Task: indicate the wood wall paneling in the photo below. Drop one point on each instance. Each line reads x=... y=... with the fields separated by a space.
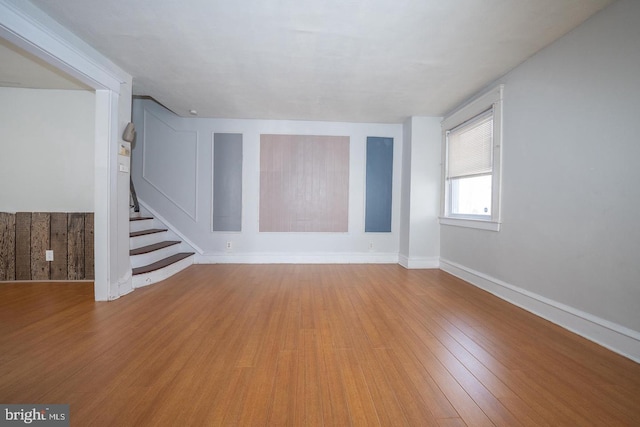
x=7 y=246
x=304 y=183
x=23 y=246
x=89 y=258
x=40 y=238
x=26 y=236
x=75 y=246
x=59 y=246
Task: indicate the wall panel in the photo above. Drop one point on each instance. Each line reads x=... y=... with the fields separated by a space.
x=26 y=236
x=304 y=183
x=89 y=258
x=59 y=246
x=75 y=246
x=170 y=162
x=23 y=246
x=7 y=246
x=252 y=244
x=40 y=233
x=227 y=182
x=379 y=184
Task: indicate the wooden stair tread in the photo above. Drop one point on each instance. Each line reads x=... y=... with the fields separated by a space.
x=154 y=247
x=139 y=218
x=145 y=232
x=162 y=263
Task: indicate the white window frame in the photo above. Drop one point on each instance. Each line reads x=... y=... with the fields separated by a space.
x=491 y=99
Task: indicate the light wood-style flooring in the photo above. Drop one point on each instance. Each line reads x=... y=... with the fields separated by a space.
x=304 y=345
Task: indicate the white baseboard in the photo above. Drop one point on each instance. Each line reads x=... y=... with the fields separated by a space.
x=617 y=338
x=297 y=258
x=418 y=262
x=124 y=285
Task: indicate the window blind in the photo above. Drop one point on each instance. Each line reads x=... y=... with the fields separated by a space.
x=470 y=147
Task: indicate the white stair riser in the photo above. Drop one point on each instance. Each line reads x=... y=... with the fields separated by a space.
x=146 y=279
x=147 y=239
x=151 y=257
x=143 y=224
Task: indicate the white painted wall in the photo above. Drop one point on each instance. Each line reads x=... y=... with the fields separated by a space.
x=28 y=27
x=47 y=141
x=405 y=193
x=420 y=232
x=191 y=213
x=569 y=246
x=122 y=199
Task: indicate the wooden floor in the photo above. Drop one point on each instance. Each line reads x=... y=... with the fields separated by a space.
x=314 y=345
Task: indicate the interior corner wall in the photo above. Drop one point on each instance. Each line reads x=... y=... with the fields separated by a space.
x=569 y=241
x=123 y=178
x=405 y=195
x=185 y=203
x=47 y=139
x=420 y=231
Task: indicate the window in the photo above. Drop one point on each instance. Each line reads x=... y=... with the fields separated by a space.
x=472 y=140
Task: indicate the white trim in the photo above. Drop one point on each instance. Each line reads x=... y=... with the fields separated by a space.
x=105 y=198
x=473 y=108
x=471 y=223
x=160 y=218
x=296 y=258
x=613 y=336
x=490 y=99
x=125 y=285
x=28 y=27
x=418 y=262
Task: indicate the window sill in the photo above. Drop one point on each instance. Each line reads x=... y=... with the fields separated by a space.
x=471 y=223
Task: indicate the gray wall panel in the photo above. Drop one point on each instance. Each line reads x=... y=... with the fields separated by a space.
x=227 y=182
x=379 y=184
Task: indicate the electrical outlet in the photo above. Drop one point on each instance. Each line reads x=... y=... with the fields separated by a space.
x=48 y=255
x=370 y=246
x=228 y=246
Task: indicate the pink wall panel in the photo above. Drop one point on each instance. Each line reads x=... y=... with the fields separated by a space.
x=304 y=183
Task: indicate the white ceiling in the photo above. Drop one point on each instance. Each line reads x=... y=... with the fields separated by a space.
x=336 y=60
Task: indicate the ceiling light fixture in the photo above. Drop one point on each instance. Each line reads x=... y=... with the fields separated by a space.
x=193 y=112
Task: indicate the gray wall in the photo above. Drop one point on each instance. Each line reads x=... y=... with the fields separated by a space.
x=571 y=175
x=419 y=228
x=173 y=172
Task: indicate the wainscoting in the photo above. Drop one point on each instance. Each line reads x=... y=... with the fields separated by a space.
x=26 y=236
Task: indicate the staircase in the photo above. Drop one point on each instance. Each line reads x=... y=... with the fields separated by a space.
x=155 y=253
